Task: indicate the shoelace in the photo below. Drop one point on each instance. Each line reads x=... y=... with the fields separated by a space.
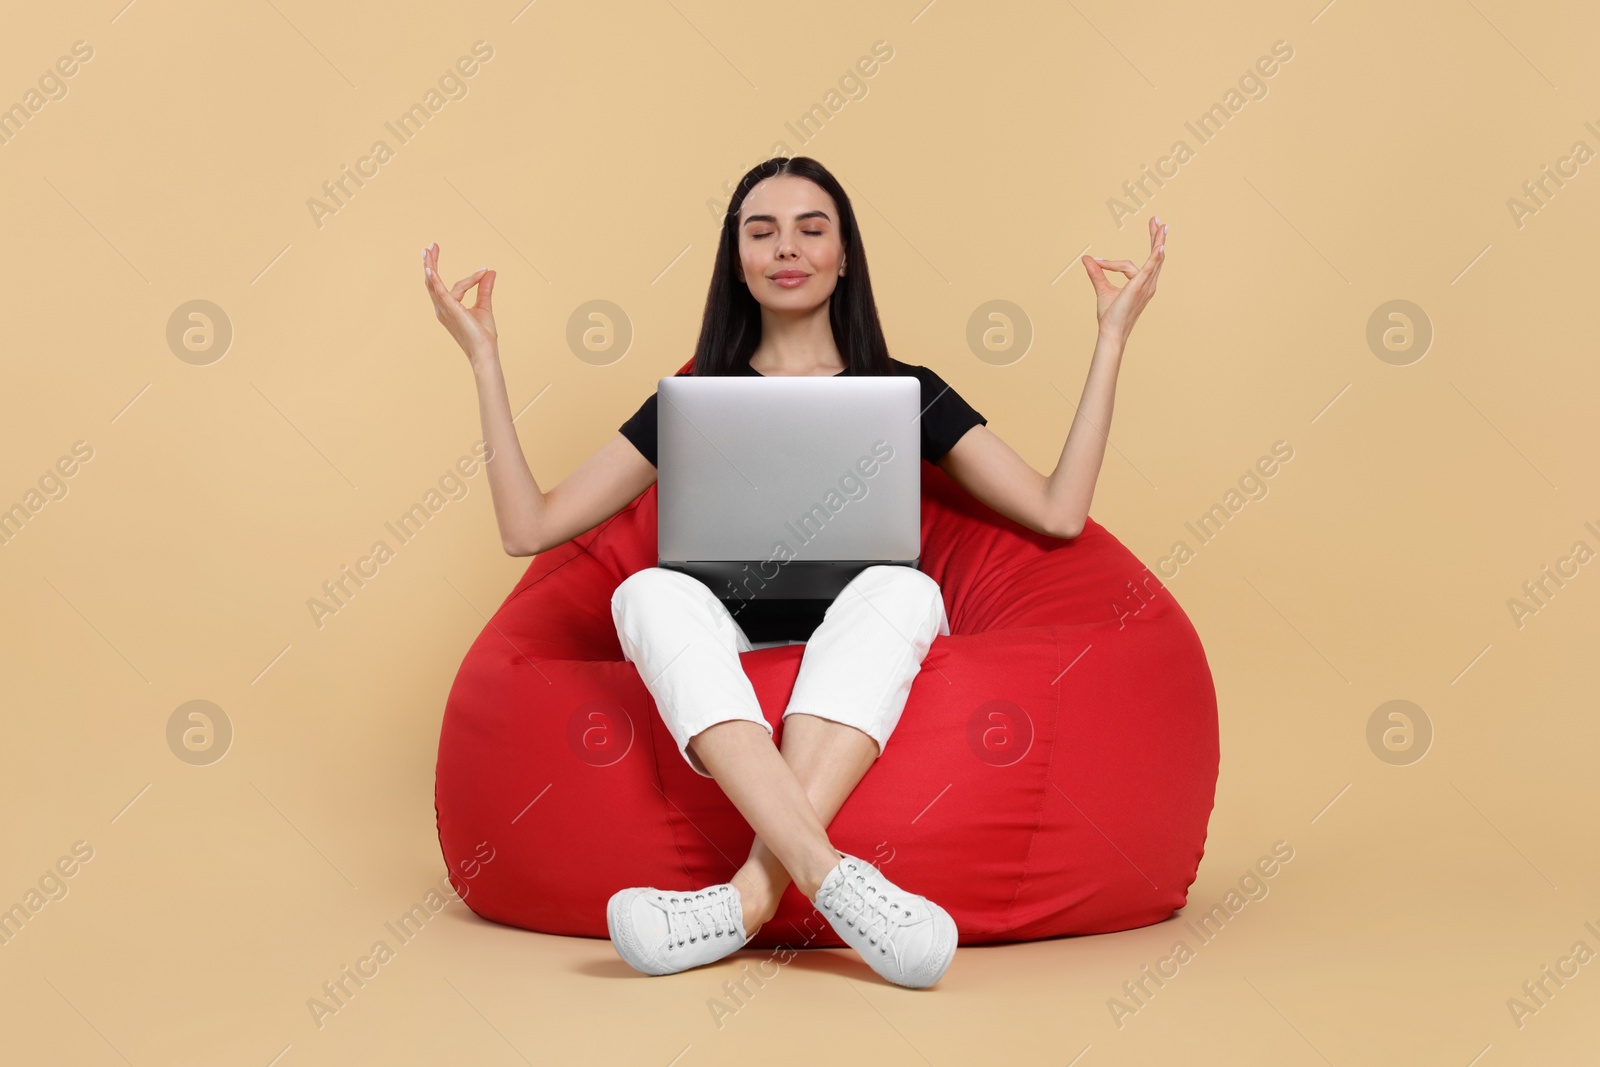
x=693 y=918
x=863 y=901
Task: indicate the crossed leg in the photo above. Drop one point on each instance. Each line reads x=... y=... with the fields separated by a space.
x=860 y=662
x=788 y=796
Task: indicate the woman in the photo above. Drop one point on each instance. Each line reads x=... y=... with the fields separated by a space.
x=790 y=295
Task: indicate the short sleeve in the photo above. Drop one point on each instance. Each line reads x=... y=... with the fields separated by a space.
x=946 y=417
x=640 y=429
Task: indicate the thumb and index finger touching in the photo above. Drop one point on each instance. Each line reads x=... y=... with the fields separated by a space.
x=483 y=278
x=1097 y=267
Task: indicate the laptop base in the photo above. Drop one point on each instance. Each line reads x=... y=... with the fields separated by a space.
x=777 y=620
x=777 y=601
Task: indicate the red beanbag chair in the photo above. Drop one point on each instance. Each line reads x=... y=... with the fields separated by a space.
x=1053 y=772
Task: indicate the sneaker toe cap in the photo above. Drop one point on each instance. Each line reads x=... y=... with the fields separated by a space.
x=638 y=929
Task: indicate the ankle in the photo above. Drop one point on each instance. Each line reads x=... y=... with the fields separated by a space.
x=810 y=881
x=758 y=899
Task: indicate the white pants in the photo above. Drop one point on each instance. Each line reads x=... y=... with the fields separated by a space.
x=857 y=667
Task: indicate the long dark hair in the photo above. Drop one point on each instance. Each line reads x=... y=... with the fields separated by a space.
x=730 y=330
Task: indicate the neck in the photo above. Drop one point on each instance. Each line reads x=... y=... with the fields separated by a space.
x=798 y=345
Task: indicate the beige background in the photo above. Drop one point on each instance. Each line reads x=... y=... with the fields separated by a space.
x=1377 y=166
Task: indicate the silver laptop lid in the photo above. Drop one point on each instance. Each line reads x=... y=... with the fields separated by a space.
x=814 y=468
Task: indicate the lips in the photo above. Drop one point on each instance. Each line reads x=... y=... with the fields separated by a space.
x=784 y=275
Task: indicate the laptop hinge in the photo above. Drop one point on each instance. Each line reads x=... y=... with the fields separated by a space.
x=737 y=581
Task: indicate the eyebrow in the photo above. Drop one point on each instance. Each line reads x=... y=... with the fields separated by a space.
x=803 y=215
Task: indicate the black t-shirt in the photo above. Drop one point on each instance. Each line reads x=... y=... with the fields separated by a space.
x=945 y=415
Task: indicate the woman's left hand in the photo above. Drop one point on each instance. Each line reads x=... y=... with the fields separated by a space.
x=1118 y=309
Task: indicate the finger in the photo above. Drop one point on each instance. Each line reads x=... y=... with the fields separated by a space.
x=1157 y=255
x=459 y=289
x=485 y=292
x=1152 y=269
x=430 y=265
x=1123 y=266
x=1097 y=277
x=443 y=303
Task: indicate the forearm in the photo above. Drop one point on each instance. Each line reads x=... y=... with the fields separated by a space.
x=518 y=500
x=1071 y=485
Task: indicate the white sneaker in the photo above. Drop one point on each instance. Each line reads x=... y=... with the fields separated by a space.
x=664 y=932
x=906 y=938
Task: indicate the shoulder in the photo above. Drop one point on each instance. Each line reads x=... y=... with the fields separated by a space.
x=651 y=399
x=926 y=374
x=933 y=385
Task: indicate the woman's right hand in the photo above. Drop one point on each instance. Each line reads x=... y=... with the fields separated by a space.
x=472 y=327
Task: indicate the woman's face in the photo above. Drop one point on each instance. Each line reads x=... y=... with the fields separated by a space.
x=791 y=252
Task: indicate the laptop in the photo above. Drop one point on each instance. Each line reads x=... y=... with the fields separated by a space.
x=776 y=491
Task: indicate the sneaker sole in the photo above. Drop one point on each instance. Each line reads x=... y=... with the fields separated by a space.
x=616 y=908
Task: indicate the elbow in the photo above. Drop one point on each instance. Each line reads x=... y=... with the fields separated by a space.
x=520 y=535
x=1060 y=519
x=515 y=546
